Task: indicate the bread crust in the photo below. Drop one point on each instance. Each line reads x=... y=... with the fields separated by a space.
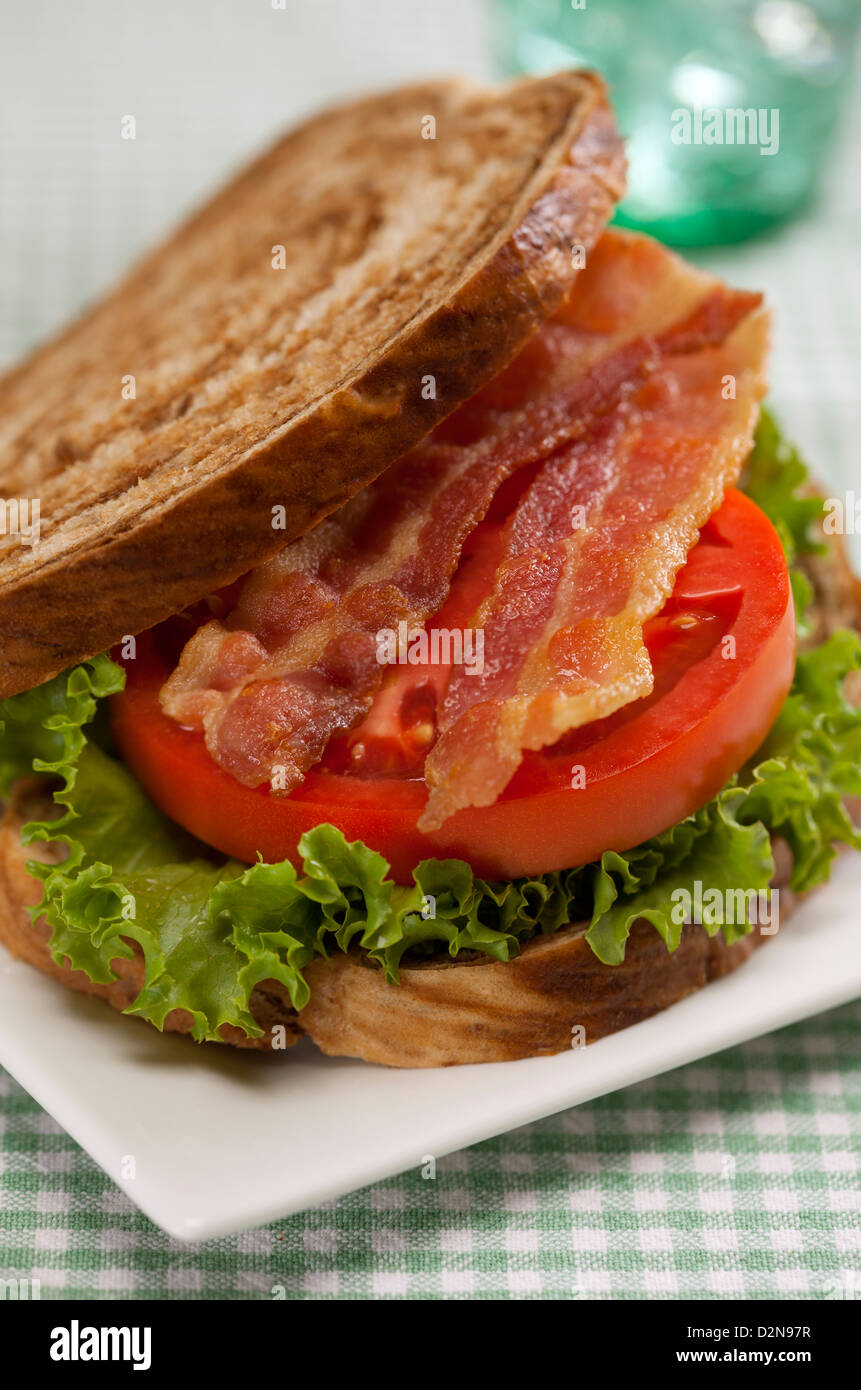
x=259 y=388
x=555 y=995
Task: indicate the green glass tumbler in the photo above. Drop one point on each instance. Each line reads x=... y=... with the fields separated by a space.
x=729 y=106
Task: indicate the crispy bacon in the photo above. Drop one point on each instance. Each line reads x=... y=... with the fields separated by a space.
x=296 y=661
x=589 y=405
x=563 y=628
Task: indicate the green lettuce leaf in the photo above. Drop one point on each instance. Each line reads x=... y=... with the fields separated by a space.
x=723 y=854
x=778 y=481
x=211 y=929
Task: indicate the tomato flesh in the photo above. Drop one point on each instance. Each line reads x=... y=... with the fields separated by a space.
x=723 y=654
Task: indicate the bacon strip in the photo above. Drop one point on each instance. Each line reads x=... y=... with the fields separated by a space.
x=296 y=661
x=563 y=628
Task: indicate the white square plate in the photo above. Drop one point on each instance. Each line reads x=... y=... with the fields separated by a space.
x=222 y=1141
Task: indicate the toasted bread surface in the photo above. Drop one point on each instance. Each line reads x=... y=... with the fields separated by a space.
x=320 y=315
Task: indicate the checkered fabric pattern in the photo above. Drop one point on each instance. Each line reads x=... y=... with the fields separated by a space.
x=736 y=1176
x=732 y=1177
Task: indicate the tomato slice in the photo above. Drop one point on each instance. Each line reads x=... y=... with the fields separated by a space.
x=723 y=653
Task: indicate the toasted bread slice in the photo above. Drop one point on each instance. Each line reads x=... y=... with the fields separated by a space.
x=424 y=235
x=447 y=1013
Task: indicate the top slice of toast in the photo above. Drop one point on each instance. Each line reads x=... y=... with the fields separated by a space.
x=303 y=330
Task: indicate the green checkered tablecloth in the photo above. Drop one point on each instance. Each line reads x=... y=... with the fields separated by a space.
x=732 y=1177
